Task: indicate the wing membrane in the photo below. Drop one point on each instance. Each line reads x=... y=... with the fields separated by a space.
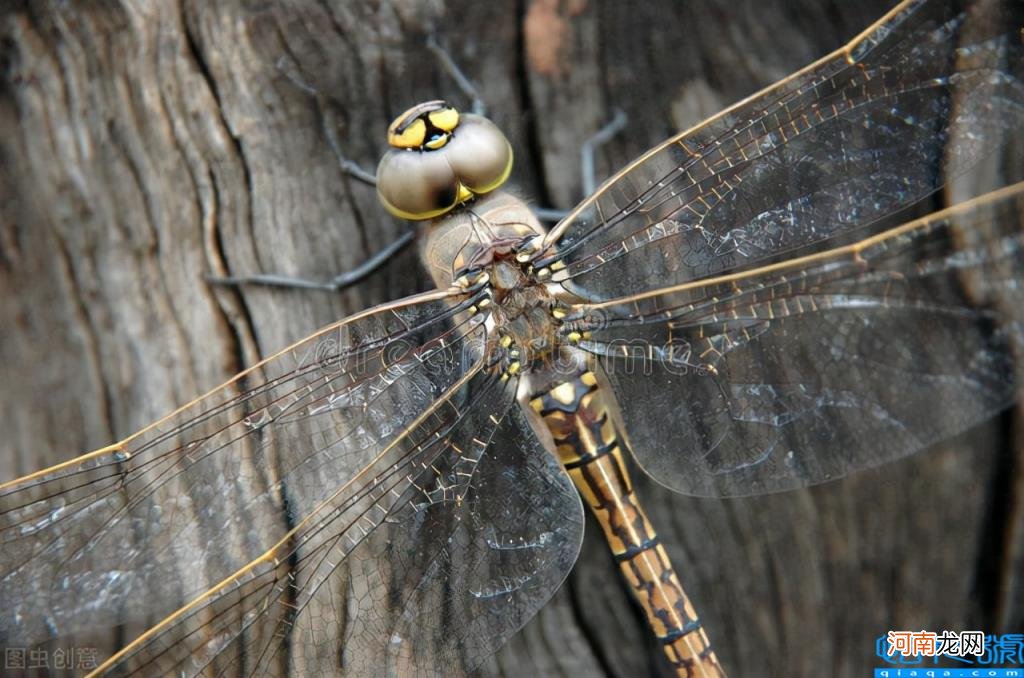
x=491 y=562
x=920 y=98
x=130 y=533
x=804 y=371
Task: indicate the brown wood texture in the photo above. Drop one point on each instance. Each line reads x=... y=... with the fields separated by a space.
x=146 y=144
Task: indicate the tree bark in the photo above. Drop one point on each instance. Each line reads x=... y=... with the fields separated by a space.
x=148 y=144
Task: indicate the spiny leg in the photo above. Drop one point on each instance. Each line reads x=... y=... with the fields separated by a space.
x=354 y=170
x=587 y=172
x=587 y=151
x=590 y=146
x=456 y=74
x=350 y=168
x=338 y=282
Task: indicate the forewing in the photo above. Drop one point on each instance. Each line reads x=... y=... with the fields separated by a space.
x=125 y=536
x=919 y=98
x=802 y=372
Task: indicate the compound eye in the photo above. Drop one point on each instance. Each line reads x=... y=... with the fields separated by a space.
x=480 y=154
x=417 y=186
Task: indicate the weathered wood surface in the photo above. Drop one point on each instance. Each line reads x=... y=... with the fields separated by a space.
x=147 y=144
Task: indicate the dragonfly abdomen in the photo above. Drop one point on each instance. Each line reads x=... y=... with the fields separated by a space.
x=588 y=445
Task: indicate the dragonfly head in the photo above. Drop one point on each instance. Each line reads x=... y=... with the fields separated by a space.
x=440 y=158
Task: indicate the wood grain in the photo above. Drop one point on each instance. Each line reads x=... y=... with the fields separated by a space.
x=146 y=145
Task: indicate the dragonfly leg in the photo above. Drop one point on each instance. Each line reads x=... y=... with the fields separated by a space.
x=587 y=171
x=350 y=167
x=588 y=445
x=336 y=283
x=590 y=146
x=456 y=74
x=549 y=214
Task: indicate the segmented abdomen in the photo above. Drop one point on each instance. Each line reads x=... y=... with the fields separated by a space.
x=577 y=415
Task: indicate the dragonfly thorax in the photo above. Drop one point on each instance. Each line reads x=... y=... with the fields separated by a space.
x=524 y=313
x=486 y=238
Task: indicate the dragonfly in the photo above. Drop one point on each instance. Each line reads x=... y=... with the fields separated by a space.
x=732 y=308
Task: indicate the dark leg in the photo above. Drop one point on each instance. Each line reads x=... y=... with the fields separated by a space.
x=587 y=173
x=456 y=74
x=353 y=170
x=590 y=146
x=334 y=284
x=548 y=214
x=327 y=122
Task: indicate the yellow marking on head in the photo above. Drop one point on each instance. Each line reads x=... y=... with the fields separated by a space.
x=574 y=337
x=409 y=130
x=436 y=142
x=589 y=378
x=445 y=119
x=480 y=160
x=412 y=136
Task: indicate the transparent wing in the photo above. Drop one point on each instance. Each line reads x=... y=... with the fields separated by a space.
x=808 y=370
x=423 y=565
x=919 y=98
x=125 y=536
x=493 y=560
